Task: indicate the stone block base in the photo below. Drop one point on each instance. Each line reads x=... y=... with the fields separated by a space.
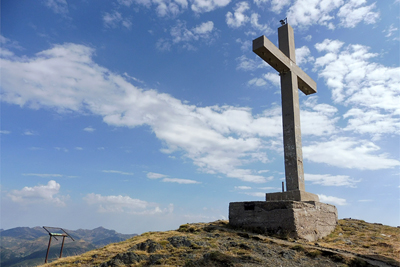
x=295 y=219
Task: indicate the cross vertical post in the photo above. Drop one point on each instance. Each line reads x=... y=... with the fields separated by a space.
x=291 y=115
x=283 y=59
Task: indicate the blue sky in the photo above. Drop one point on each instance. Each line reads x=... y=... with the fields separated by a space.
x=141 y=115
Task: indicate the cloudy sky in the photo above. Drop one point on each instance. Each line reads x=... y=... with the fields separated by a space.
x=141 y=115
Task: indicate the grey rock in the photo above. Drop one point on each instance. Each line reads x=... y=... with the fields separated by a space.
x=348 y=242
x=179 y=241
x=149 y=245
x=122 y=259
x=289 y=255
x=155 y=258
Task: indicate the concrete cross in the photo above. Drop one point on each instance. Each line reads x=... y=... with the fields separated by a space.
x=292 y=79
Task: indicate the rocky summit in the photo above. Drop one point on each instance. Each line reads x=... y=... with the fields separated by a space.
x=353 y=243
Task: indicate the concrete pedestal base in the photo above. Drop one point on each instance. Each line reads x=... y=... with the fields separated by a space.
x=307 y=220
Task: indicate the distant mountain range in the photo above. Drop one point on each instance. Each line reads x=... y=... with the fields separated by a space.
x=24 y=246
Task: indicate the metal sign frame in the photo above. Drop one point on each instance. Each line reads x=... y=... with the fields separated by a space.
x=52 y=234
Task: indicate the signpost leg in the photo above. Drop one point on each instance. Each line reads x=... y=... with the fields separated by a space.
x=48 y=249
x=62 y=245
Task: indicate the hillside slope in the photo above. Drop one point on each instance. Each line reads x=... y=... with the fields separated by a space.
x=354 y=243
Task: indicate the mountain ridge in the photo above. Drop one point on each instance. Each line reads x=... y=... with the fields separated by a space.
x=25 y=246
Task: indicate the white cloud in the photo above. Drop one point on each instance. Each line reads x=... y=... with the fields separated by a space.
x=329 y=46
x=163 y=44
x=255 y=194
x=248 y=64
x=204 y=28
x=117 y=172
x=5 y=132
x=332 y=200
x=27 y=132
x=323 y=12
x=61 y=149
x=303 y=55
x=278 y=5
x=371 y=122
x=389 y=32
x=8 y=44
x=308 y=12
x=345 y=152
x=370 y=88
x=308 y=37
x=228 y=119
x=78 y=148
x=179 y=181
x=181 y=34
x=170 y=8
x=264 y=29
x=40 y=193
x=257 y=82
x=153 y=175
x=124 y=204
x=243 y=187
x=238 y=18
x=273 y=78
x=245 y=45
x=89 y=129
x=127 y=3
x=218 y=139
x=318 y=119
x=331 y=180
x=58 y=6
x=163 y=7
x=201 y=6
x=354 y=11
x=3 y=39
x=112 y=20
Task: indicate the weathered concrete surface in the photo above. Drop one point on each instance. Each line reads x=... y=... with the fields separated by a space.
x=296 y=195
x=292 y=78
x=296 y=219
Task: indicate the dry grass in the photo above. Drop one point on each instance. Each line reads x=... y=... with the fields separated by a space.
x=357 y=236
x=373 y=240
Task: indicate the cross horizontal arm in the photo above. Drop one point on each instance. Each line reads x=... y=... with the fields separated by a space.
x=280 y=62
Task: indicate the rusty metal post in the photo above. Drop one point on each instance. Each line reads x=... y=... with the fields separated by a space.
x=64 y=235
x=62 y=246
x=48 y=249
